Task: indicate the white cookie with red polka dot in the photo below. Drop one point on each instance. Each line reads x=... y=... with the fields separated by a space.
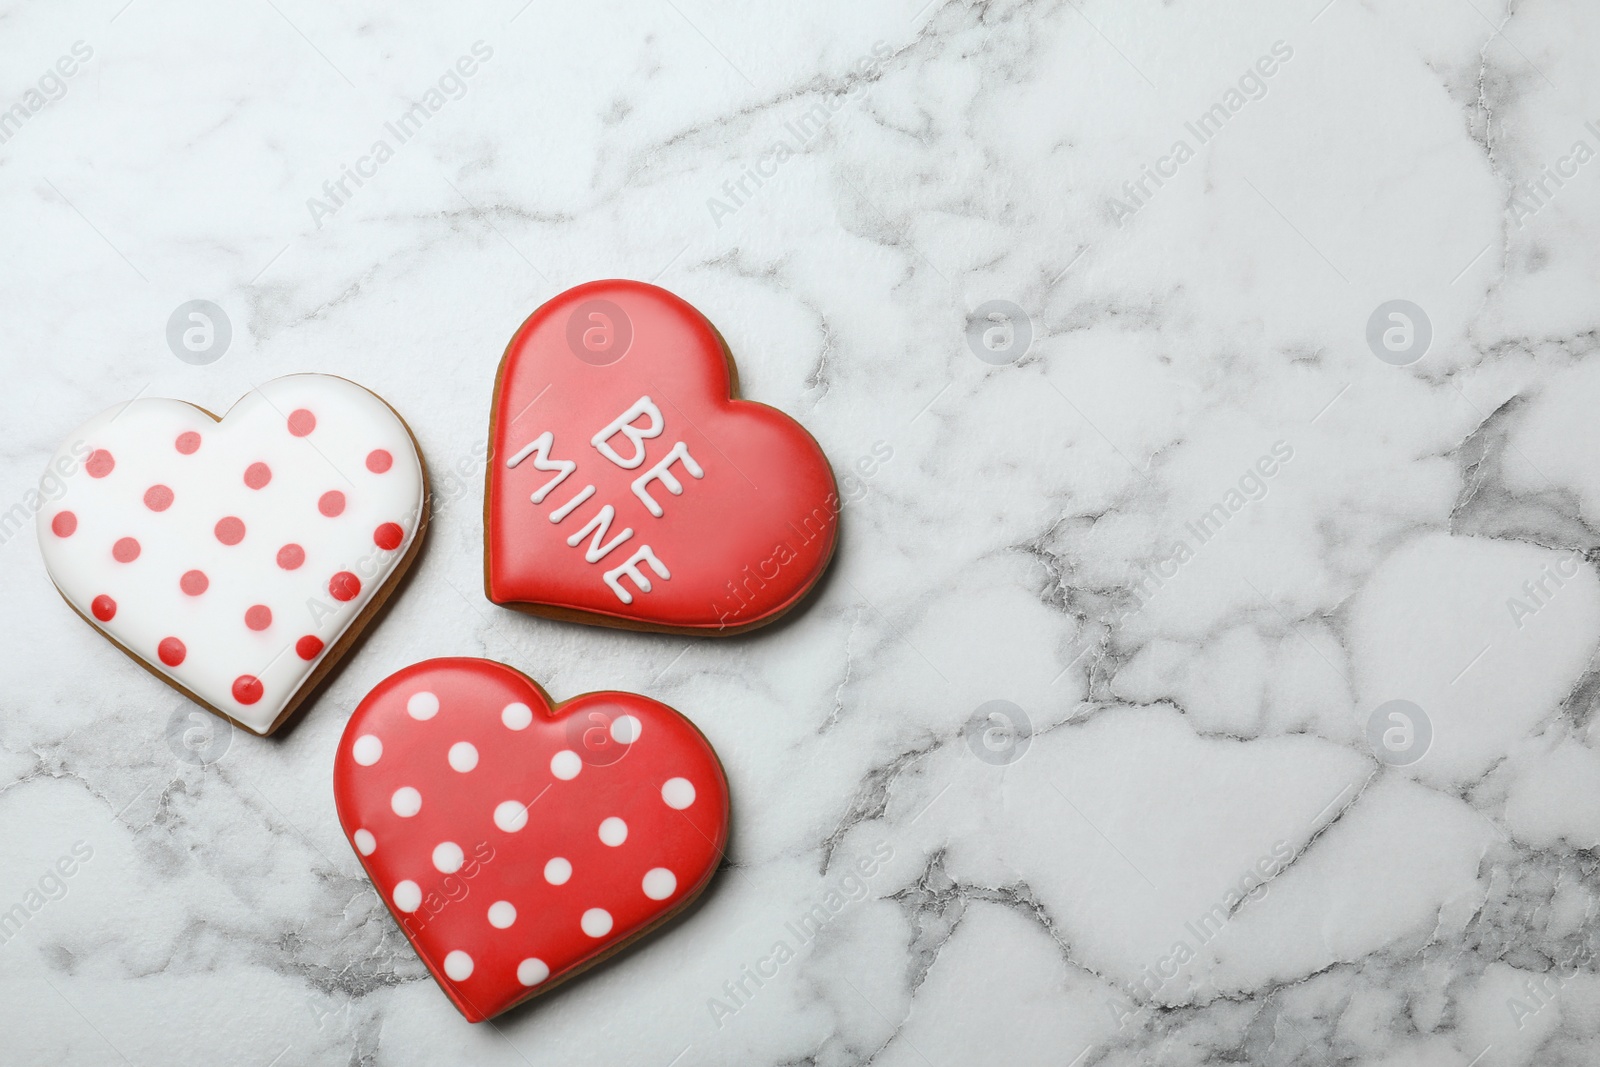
x=232 y=556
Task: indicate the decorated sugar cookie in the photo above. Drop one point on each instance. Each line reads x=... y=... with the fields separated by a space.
x=628 y=486
x=236 y=558
x=517 y=842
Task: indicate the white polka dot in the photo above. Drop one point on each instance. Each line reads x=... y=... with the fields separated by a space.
x=678 y=793
x=367 y=750
x=458 y=966
x=613 y=832
x=557 y=871
x=423 y=706
x=502 y=914
x=596 y=922
x=406 y=802
x=517 y=716
x=660 y=883
x=463 y=756
x=408 y=895
x=365 y=842
x=448 y=857
x=510 y=815
x=625 y=730
x=532 y=971
x=565 y=765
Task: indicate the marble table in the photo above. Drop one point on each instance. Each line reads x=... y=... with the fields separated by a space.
x=1206 y=674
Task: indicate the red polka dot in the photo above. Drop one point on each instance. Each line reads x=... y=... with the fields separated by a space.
x=258 y=617
x=291 y=556
x=99 y=463
x=344 y=586
x=64 y=524
x=103 y=608
x=247 y=689
x=230 y=531
x=194 y=582
x=331 y=503
x=126 y=550
x=388 y=536
x=308 y=647
x=171 y=651
x=257 y=475
x=158 y=498
x=188 y=442
x=301 y=422
x=379 y=460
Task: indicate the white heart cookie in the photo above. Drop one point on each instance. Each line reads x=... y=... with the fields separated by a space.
x=231 y=556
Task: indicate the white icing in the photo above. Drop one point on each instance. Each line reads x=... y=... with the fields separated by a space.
x=659 y=883
x=511 y=815
x=598 y=528
x=677 y=793
x=600 y=525
x=570 y=506
x=631 y=568
x=448 y=857
x=566 y=764
x=517 y=716
x=623 y=424
x=208 y=485
x=539 y=449
x=660 y=473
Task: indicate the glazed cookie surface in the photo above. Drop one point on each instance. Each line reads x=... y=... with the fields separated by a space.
x=628 y=486
x=517 y=842
x=235 y=558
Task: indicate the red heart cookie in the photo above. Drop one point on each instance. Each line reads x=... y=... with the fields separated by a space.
x=628 y=487
x=516 y=842
x=236 y=558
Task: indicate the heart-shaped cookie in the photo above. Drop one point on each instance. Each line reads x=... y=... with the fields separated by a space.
x=517 y=842
x=628 y=487
x=236 y=558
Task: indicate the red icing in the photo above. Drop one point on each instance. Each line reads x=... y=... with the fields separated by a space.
x=301 y=422
x=99 y=463
x=331 y=503
x=379 y=460
x=194 y=582
x=308 y=647
x=126 y=550
x=64 y=524
x=188 y=442
x=103 y=608
x=230 y=531
x=388 y=536
x=257 y=475
x=742 y=544
x=291 y=556
x=258 y=616
x=247 y=689
x=171 y=651
x=158 y=498
x=344 y=586
x=560 y=817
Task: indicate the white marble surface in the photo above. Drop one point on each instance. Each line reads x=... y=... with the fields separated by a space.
x=1197 y=716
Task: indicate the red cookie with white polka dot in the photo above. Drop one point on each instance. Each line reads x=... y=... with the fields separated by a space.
x=237 y=558
x=517 y=841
